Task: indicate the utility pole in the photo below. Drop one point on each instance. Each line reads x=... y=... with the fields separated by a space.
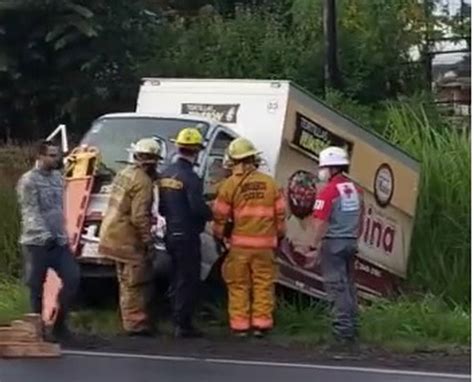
x=331 y=69
x=427 y=48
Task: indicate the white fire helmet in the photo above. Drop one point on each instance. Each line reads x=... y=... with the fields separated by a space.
x=333 y=156
x=147 y=146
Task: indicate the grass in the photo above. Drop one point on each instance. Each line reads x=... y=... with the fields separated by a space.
x=14 y=160
x=10 y=263
x=13 y=300
x=423 y=323
x=406 y=325
x=440 y=259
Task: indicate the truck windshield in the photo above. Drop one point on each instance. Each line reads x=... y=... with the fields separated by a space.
x=113 y=136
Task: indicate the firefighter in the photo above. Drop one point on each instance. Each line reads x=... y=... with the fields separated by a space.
x=125 y=236
x=338 y=224
x=183 y=206
x=43 y=235
x=256 y=207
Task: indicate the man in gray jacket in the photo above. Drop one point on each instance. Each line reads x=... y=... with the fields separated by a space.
x=43 y=235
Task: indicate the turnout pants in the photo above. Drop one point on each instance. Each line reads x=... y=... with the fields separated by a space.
x=135 y=287
x=185 y=252
x=337 y=261
x=37 y=261
x=250 y=276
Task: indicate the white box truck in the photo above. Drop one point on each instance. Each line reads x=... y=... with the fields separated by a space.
x=290 y=127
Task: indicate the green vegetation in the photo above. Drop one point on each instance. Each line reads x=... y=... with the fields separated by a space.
x=406 y=325
x=72 y=60
x=440 y=257
x=10 y=227
x=14 y=160
x=13 y=300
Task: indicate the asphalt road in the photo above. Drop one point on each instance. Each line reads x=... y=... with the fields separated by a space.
x=104 y=367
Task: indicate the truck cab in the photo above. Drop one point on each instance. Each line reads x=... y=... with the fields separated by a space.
x=113 y=135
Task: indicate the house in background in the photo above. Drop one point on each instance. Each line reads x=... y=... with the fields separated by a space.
x=452 y=87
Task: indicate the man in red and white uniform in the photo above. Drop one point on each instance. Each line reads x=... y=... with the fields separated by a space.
x=338 y=222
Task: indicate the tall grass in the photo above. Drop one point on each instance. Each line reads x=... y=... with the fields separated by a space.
x=441 y=244
x=14 y=160
x=407 y=324
x=9 y=233
x=13 y=300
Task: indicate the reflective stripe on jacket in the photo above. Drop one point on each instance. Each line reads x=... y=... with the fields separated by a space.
x=257 y=209
x=126 y=227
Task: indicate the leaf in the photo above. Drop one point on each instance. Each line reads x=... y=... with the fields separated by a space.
x=85 y=27
x=67 y=39
x=83 y=11
x=56 y=32
x=4 y=62
x=8 y=5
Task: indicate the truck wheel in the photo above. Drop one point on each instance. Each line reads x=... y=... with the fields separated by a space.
x=98 y=292
x=214 y=288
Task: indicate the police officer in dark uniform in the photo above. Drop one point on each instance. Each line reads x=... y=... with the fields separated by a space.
x=186 y=212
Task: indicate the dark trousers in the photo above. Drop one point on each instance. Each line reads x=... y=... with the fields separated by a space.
x=37 y=261
x=185 y=255
x=337 y=259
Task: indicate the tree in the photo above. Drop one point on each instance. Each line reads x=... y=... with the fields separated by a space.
x=62 y=60
x=42 y=43
x=376 y=38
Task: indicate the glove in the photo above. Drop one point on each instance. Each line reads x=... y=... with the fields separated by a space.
x=50 y=243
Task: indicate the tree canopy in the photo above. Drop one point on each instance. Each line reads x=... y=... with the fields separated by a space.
x=68 y=61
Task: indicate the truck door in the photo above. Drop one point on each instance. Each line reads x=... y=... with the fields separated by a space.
x=213 y=174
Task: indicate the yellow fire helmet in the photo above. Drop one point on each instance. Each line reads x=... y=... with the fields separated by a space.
x=189 y=138
x=241 y=148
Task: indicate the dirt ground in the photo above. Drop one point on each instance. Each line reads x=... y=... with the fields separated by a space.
x=268 y=349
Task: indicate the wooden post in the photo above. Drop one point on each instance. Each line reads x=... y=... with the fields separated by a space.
x=24 y=338
x=428 y=45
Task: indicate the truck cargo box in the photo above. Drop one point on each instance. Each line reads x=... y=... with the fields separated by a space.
x=291 y=127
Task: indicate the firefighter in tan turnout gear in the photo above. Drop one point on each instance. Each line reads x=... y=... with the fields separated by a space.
x=126 y=235
x=253 y=203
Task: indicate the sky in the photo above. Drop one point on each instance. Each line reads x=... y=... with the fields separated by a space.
x=453 y=6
